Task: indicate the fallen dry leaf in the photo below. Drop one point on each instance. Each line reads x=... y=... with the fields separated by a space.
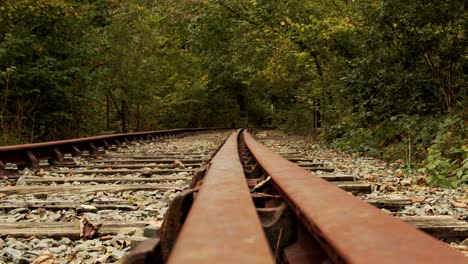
x=387 y=187
x=369 y=177
x=267 y=195
x=178 y=164
x=260 y=184
x=40 y=172
x=45 y=258
x=140 y=204
x=399 y=162
x=399 y=173
x=417 y=199
x=422 y=180
x=460 y=204
x=406 y=182
x=418 y=188
x=87 y=228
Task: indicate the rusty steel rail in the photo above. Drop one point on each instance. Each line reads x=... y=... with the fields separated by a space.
x=222 y=225
x=30 y=154
x=347 y=229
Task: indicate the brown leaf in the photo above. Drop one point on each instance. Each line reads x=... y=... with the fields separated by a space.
x=422 y=180
x=460 y=204
x=267 y=195
x=45 y=258
x=399 y=173
x=418 y=188
x=260 y=184
x=417 y=199
x=406 y=182
x=178 y=164
x=369 y=177
x=40 y=172
x=87 y=228
x=140 y=204
x=387 y=187
x=399 y=162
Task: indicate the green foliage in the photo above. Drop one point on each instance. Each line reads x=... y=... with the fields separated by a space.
x=41 y=63
x=402 y=90
x=447 y=159
x=386 y=78
x=440 y=171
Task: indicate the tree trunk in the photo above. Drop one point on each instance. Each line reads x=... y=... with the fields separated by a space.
x=107 y=113
x=124 y=116
x=138 y=125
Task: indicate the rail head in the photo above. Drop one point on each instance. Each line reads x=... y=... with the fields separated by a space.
x=348 y=229
x=222 y=226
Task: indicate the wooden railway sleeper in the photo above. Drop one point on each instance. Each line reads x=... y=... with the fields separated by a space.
x=28 y=155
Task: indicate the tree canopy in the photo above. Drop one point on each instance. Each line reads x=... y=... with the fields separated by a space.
x=382 y=77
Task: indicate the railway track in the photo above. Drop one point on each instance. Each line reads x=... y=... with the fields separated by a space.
x=254 y=206
x=92 y=200
x=247 y=205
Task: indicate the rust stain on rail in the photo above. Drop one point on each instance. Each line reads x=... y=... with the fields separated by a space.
x=350 y=230
x=222 y=225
